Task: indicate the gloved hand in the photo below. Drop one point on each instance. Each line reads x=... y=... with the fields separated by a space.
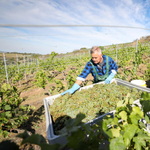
x=109 y=78
x=72 y=90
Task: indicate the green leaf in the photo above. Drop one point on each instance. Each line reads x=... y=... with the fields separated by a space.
x=135 y=118
x=43 y=140
x=15 y=89
x=115 y=132
x=104 y=125
x=145 y=96
x=142 y=125
x=33 y=139
x=2 y=114
x=145 y=105
x=23 y=135
x=75 y=138
x=129 y=133
x=121 y=104
x=76 y=121
x=7 y=107
x=138 y=111
x=140 y=140
x=117 y=144
x=146 y=118
x=127 y=98
x=8 y=114
x=5 y=133
x=123 y=115
x=114 y=121
x=49 y=147
x=87 y=128
x=72 y=125
x=131 y=101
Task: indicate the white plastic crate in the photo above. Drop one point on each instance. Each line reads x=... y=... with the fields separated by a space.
x=52 y=138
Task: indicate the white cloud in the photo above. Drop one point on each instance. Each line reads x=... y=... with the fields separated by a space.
x=67 y=39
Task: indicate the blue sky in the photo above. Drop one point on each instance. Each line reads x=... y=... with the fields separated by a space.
x=44 y=40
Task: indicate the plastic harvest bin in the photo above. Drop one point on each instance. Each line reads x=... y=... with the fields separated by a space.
x=49 y=101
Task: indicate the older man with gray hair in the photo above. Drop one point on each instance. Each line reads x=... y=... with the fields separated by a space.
x=102 y=67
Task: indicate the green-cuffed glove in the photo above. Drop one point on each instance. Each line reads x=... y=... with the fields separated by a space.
x=109 y=78
x=72 y=90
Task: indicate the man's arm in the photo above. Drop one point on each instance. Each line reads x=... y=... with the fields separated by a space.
x=79 y=82
x=74 y=88
x=113 y=69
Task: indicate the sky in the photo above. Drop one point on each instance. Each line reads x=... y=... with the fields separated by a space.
x=44 y=40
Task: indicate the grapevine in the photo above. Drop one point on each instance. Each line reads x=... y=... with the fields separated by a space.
x=12 y=114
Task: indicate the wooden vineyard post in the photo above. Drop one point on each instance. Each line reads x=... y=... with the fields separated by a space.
x=5 y=68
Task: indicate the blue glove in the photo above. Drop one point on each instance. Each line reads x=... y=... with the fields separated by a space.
x=72 y=90
x=109 y=78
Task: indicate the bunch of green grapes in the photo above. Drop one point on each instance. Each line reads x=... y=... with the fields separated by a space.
x=93 y=102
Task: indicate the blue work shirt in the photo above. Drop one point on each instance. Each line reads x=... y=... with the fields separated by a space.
x=89 y=69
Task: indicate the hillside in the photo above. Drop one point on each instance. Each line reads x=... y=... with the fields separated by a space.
x=142 y=40
x=11 y=57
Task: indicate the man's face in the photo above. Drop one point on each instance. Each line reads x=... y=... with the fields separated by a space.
x=96 y=58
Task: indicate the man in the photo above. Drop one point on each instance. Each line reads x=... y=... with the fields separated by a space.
x=102 y=67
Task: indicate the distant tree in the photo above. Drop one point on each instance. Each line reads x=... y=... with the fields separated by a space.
x=101 y=47
x=83 y=48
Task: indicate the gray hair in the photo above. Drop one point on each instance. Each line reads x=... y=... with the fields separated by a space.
x=95 y=49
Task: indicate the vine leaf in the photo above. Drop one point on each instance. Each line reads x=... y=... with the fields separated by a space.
x=121 y=104
x=7 y=107
x=115 y=132
x=145 y=96
x=129 y=133
x=123 y=115
x=140 y=140
x=34 y=139
x=117 y=144
x=138 y=111
x=75 y=138
x=72 y=125
x=135 y=118
x=145 y=102
x=146 y=118
x=23 y=135
x=49 y=147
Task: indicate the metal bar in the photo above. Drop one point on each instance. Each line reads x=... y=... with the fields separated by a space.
x=34 y=25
